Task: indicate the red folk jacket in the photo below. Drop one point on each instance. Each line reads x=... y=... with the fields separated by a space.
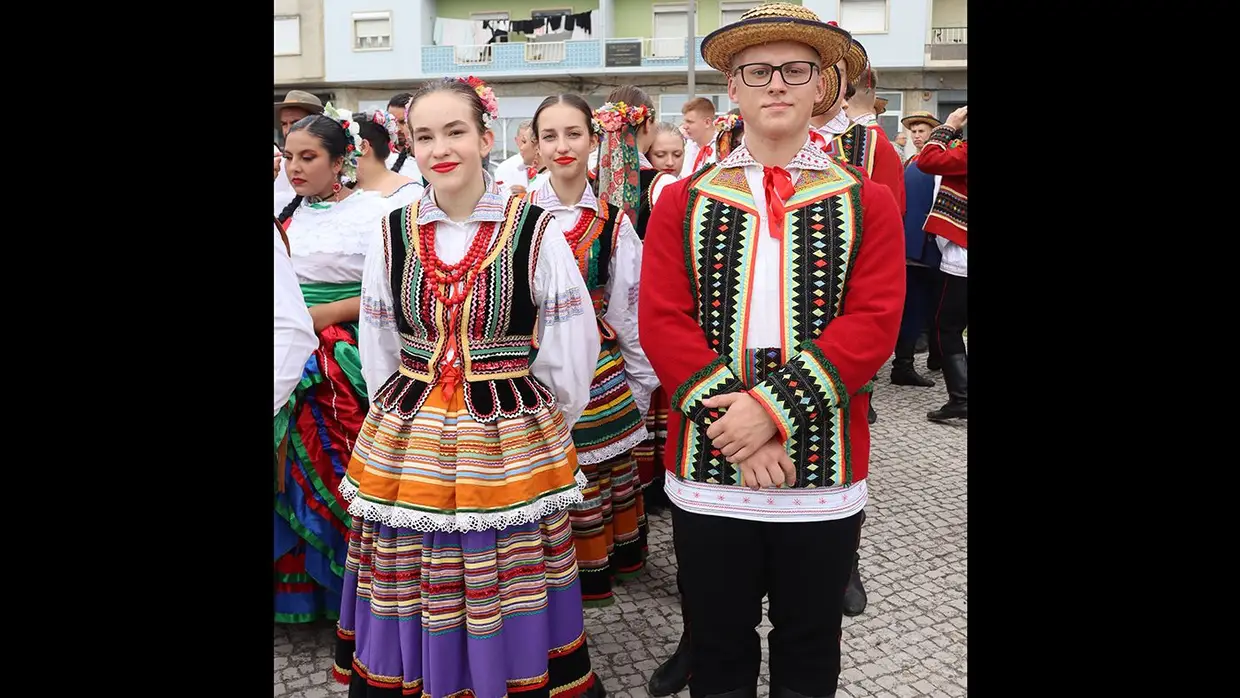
x=851 y=347
x=867 y=148
x=947 y=155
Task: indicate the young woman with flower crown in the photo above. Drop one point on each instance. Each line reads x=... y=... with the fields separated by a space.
x=329 y=227
x=461 y=576
x=379 y=136
x=628 y=120
x=609 y=527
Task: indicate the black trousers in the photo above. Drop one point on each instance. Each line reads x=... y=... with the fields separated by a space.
x=952 y=315
x=923 y=286
x=728 y=565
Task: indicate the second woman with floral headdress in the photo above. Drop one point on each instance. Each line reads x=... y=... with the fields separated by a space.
x=329 y=226
x=461 y=578
x=609 y=527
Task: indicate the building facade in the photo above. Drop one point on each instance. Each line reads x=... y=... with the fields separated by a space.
x=358 y=53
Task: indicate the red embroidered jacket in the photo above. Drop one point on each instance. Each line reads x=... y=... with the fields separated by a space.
x=867 y=148
x=947 y=155
x=842 y=356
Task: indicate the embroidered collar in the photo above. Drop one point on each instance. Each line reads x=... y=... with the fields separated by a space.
x=545 y=198
x=809 y=157
x=865 y=119
x=490 y=207
x=837 y=125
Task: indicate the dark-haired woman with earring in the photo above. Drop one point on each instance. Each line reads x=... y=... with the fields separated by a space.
x=379 y=134
x=609 y=527
x=329 y=228
x=461 y=577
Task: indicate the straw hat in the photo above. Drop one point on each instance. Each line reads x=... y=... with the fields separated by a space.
x=301 y=100
x=920 y=117
x=770 y=22
x=880 y=105
x=856 y=58
x=834 y=86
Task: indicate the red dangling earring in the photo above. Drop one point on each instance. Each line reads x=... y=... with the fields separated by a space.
x=336 y=188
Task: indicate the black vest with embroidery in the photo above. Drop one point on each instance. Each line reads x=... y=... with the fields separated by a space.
x=497 y=325
x=645 y=178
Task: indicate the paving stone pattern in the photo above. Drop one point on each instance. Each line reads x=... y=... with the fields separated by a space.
x=911 y=641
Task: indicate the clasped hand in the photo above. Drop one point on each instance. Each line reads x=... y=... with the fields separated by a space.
x=746 y=437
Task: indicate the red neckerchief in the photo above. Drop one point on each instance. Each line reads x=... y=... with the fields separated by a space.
x=701 y=157
x=777 y=184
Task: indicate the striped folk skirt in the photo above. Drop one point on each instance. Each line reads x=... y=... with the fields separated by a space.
x=484 y=600
x=609 y=525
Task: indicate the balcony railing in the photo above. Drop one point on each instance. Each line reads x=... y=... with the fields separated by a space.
x=514 y=57
x=521 y=57
x=662 y=52
x=948 y=44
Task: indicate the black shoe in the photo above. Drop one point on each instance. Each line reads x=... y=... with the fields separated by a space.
x=854 y=593
x=933 y=363
x=597 y=690
x=903 y=373
x=673 y=675
x=956 y=375
x=872 y=416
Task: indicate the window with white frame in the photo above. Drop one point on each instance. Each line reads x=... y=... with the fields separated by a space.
x=863 y=16
x=890 y=119
x=372 y=31
x=288 y=35
x=671 y=26
x=730 y=12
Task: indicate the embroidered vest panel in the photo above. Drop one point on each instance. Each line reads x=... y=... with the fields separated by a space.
x=645 y=178
x=498 y=320
x=856 y=147
x=822 y=235
x=611 y=423
x=594 y=251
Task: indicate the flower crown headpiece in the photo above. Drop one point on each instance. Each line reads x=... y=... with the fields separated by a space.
x=727 y=122
x=387 y=121
x=487 y=95
x=610 y=117
x=353 y=133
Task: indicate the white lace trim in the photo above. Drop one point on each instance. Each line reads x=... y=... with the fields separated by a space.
x=399 y=517
x=610 y=451
x=345 y=228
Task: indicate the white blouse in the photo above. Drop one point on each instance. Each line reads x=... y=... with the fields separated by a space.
x=623 y=284
x=404 y=195
x=329 y=241
x=567 y=332
x=295 y=339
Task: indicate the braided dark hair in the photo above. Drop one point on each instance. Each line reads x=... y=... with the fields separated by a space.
x=331 y=135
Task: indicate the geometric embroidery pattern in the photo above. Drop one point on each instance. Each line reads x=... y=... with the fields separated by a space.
x=952 y=206
x=823 y=231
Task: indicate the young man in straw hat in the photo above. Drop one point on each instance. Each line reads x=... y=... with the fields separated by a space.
x=922 y=256
x=919 y=125
x=775 y=284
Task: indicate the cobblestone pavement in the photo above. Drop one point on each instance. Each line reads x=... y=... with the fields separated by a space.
x=912 y=639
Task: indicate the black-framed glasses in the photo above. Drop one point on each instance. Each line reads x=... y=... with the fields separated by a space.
x=760 y=74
